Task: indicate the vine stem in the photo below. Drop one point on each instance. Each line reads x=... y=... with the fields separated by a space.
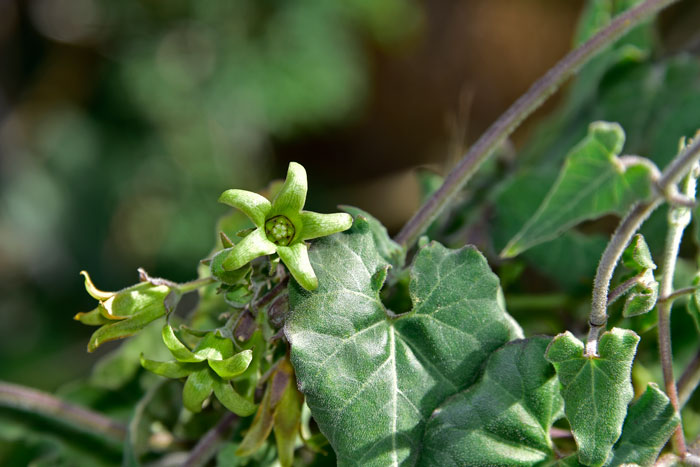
x=678 y=220
x=516 y=113
x=208 y=446
x=681 y=165
x=190 y=286
x=689 y=380
x=34 y=401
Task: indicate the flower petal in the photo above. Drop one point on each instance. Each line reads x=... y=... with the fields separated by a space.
x=121 y=329
x=253 y=205
x=230 y=399
x=232 y=367
x=197 y=388
x=320 y=225
x=214 y=346
x=176 y=347
x=296 y=258
x=92 y=318
x=253 y=245
x=94 y=292
x=173 y=369
x=292 y=196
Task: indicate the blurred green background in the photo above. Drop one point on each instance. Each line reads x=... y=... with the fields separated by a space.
x=122 y=121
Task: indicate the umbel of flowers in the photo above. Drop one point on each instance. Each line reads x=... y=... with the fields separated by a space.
x=281 y=227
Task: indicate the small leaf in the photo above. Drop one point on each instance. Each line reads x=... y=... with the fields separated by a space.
x=173 y=369
x=637 y=256
x=233 y=366
x=177 y=348
x=230 y=399
x=650 y=422
x=596 y=390
x=388 y=249
x=197 y=388
x=693 y=305
x=642 y=297
x=592 y=183
x=504 y=419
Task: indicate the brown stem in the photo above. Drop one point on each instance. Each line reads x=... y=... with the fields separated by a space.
x=689 y=380
x=521 y=109
x=34 y=401
x=208 y=446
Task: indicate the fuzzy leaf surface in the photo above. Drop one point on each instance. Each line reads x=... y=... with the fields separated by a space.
x=505 y=418
x=592 y=183
x=372 y=379
x=596 y=390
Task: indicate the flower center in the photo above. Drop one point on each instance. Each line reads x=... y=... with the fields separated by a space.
x=280 y=230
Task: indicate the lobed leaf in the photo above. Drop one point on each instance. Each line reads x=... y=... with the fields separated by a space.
x=592 y=183
x=505 y=418
x=371 y=378
x=596 y=390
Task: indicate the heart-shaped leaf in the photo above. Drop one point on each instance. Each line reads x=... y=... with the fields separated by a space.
x=596 y=390
x=593 y=182
x=505 y=418
x=372 y=378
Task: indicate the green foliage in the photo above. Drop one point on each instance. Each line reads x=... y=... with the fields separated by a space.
x=504 y=418
x=593 y=182
x=352 y=355
x=596 y=390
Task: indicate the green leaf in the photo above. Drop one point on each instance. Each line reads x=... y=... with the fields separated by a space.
x=287 y=418
x=226 y=276
x=650 y=422
x=592 y=183
x=173 y=369
x=259 y=430
x=637 y=256
x=253 y=205
x=596 y=390
x=233 y=366
x=230 y=399
x=372 y=379
x=505 y=418
x=386 y=247
x=197 y=388
x=642 y=297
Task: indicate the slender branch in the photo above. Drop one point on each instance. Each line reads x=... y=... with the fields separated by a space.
x=34 y=401
x=621 y=237
x=623 y=288
x=521 y=109
x=678 y=220
x=208 y=446
x=195 y=284
x=271 y=294
x=679 y=293
x=689 y=380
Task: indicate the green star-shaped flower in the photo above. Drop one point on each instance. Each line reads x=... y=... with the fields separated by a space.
x=208 y=368
x=282 y=227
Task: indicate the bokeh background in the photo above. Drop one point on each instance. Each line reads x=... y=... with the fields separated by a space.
x=122 y=121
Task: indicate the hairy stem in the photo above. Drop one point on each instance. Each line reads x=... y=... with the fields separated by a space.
x=689 y=380
x=521 y=109
x=611 y=256
x=207 y=447
x=38 y=402
x=685 y=161
x=678 y=220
